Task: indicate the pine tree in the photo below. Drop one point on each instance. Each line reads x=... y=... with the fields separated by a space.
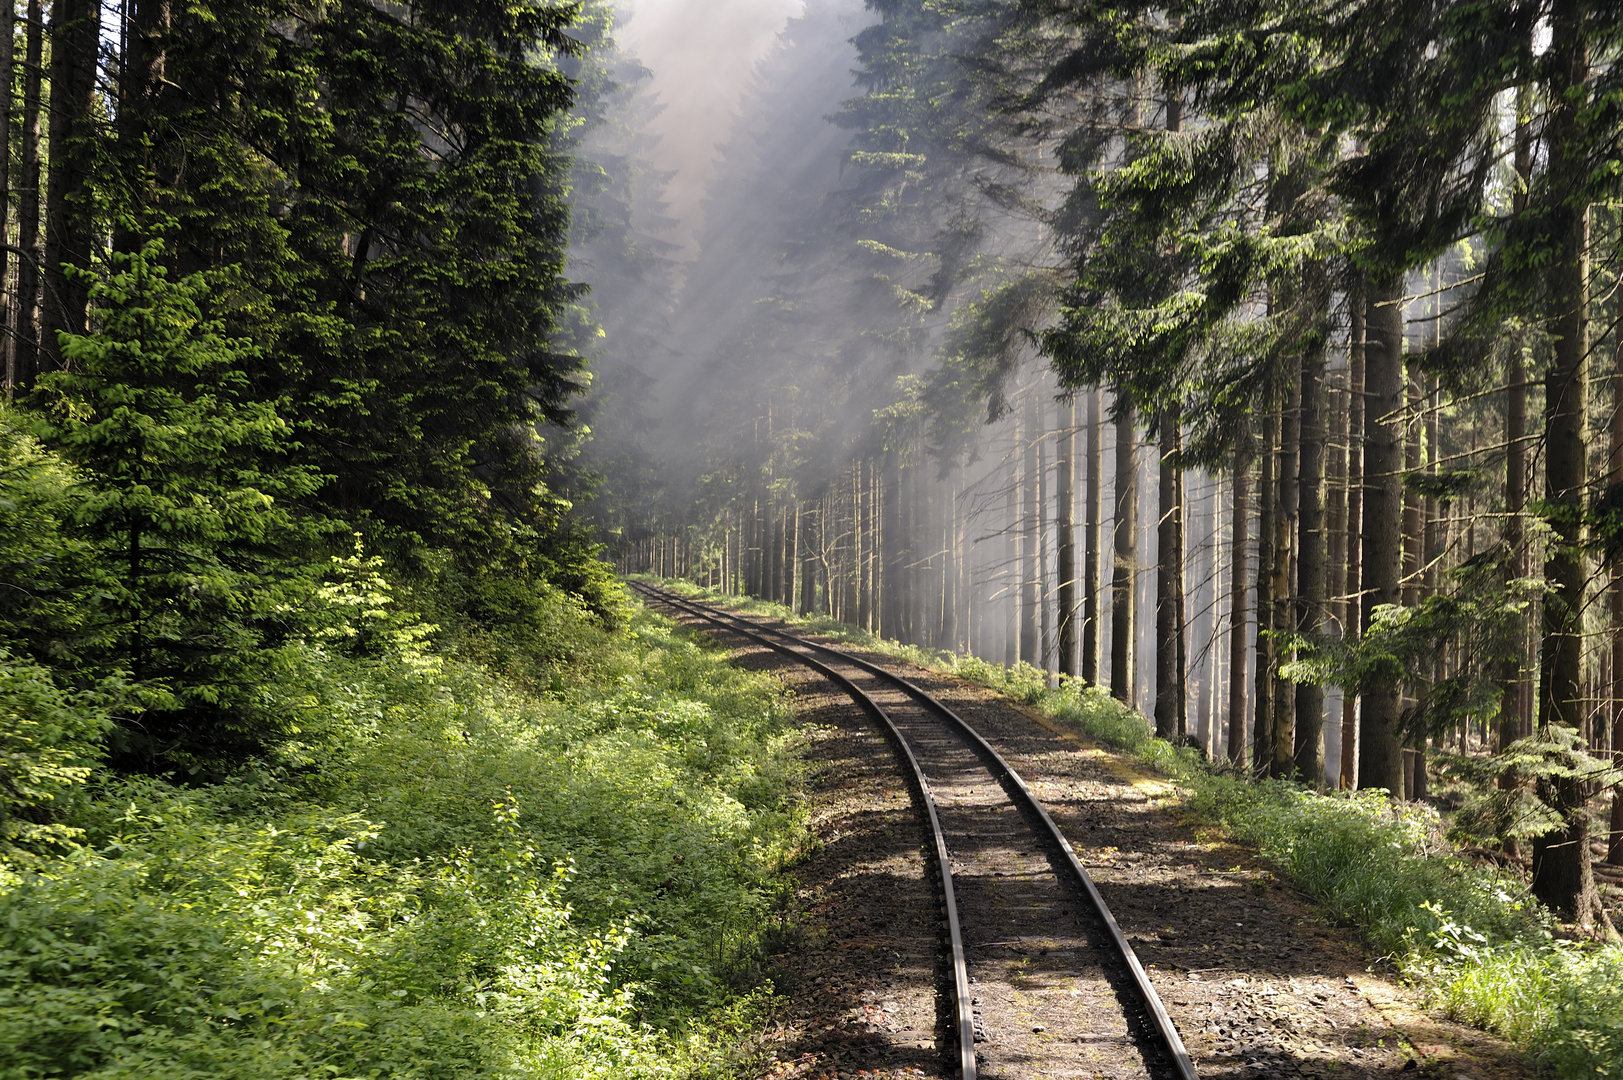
x=193 y=512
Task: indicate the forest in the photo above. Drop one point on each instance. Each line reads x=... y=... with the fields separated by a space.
x=1253 y=362
x=329 y=745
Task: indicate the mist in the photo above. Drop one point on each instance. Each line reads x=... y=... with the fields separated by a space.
x=701 y=54
x=834 y=398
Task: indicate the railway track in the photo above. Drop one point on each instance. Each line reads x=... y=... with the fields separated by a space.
x=1028 y=930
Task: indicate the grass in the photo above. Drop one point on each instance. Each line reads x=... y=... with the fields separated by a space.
x=1468 y=936
x=469 y=878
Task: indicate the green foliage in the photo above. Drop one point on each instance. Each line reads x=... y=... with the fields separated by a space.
x=50 y=739
x=381 y=200
x=477 y=882
x=1551 y=755
x=187 y=495
x=1480 y=614
x=48 y=610
x=1466 y=933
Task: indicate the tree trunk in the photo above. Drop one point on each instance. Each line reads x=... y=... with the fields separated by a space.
x=792 y=511
x=69 y=213
x=1380 y=759
x=891 y=587
x=1065 y=528
x=1288 y=497
x=1094 y=511
x=7 y=71
x=1030 y=537
x=1312 y=593
x=1413 y=526
x=1431 y=553
x=1182 y=503
x=1262 y=723
x=956 y=614
x=1122 y=579
x=1353 y=622
x=1614 y=477
x=851 y=603
x=807 y=598
x=1169 y=541
x=1512 y=683
x=1237 y=602
x=1335 y=529
x=774 y=552
x=1045 y=591
x=1562 y=876
x=1169 y=674
x=1012 y=561
x=28 y=261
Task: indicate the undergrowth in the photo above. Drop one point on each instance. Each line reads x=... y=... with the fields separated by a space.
x=1469 y=936
x=455 y=874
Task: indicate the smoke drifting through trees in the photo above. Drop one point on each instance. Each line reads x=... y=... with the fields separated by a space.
x=1322 y=355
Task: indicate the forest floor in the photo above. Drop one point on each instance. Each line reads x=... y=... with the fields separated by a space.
x=1258 y=982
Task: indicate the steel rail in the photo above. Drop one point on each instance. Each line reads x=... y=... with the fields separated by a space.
x=960 y=964
x=1171 y=1041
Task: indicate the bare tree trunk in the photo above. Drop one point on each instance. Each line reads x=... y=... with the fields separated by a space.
x=1045 y=591
x=1030 y=538
x=890 y=589
x=1512 y=717
x=1311 y=589
x=851 y=602
x=1353 y=624
x=1169 y=674
x=1182 y=503
x=793 y=599
x=1094 y=511
x=1065 y=527
x=1285 y=522
x=1122 y=581
x=953 y=598
x=862 y=567
x=1412 y=551
x=1431 y=551
x=807 y=559
x=1380 y=758
x=1262 y=724
x=1335 y=528
x=1012 y=561
x=28 y=197
x=1515 y=536
x=1562 y=876
x=1614 y=477
x=1237 y=602
x=774 y=552
x=8 y=47
x=69 y=231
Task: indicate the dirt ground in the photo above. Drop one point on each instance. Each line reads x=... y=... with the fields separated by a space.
x=1258 y=984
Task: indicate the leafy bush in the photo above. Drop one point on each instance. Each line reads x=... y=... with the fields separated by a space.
x=455 y=876
x=196 y=943
x=48 y=743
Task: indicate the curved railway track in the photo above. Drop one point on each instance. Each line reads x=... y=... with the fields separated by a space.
x=981 y=815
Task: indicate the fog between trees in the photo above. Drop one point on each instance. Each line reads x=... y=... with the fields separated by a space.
x=1352 y=335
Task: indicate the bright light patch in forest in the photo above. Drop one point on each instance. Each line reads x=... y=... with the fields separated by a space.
x=701 y=53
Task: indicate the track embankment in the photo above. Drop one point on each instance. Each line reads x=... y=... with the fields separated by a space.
x=1255 y=982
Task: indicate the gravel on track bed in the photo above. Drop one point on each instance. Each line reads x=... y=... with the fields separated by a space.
x=1259 y=985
